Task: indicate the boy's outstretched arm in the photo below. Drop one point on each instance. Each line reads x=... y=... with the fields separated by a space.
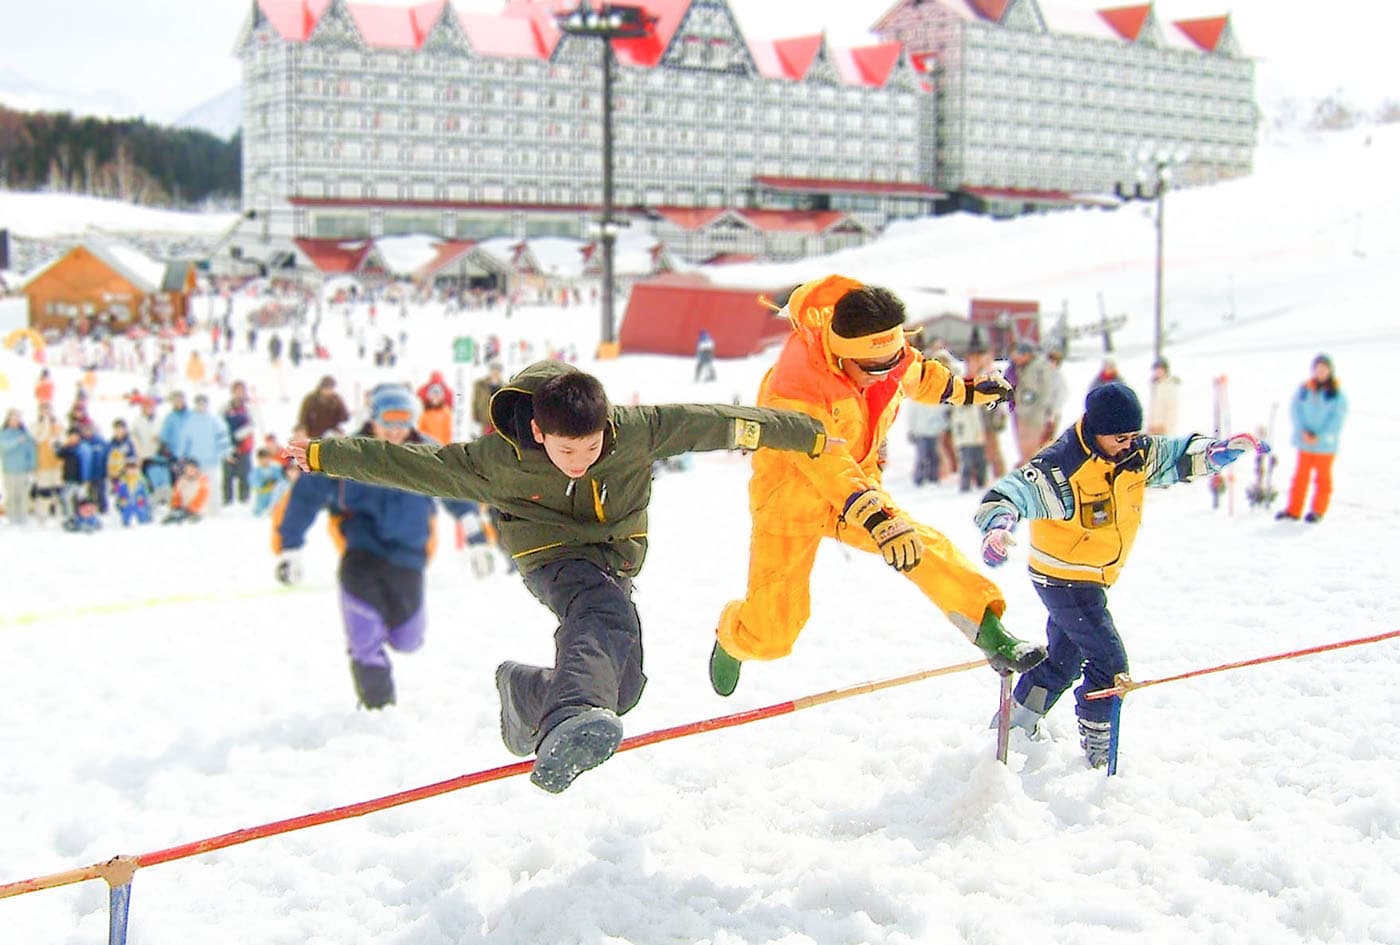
x=444 y=471
x=686 y=428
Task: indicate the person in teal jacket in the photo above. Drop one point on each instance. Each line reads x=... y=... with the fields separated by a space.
x=1319 y=409
x=19 y=457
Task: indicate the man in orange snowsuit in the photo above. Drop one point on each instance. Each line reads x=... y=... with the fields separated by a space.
x=847 y=365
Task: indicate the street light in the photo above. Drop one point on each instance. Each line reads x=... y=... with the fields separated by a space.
x=606 y=21
x=1155 y=167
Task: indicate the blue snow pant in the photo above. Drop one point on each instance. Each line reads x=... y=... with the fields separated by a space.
x=597 y=648
x=139 y=513
x=1081 y=638
x=381 y=603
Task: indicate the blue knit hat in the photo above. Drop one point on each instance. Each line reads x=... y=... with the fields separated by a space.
x=1112 y=409
x=392 y=405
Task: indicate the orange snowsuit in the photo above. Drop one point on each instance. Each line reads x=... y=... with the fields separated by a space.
x=191 y=495
x=436 y=422
x=796 y=503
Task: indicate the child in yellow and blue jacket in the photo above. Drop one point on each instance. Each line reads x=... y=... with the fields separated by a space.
x=1083 y=494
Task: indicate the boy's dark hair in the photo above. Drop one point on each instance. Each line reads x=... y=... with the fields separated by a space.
x=572 y=404
x=264 y=452
x=865 y=311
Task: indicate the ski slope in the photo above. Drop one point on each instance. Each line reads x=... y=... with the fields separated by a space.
x=161 y=687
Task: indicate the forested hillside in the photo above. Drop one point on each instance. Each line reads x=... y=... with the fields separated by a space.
x=124 y=160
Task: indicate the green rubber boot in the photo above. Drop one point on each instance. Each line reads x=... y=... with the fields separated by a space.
x=724 y=671
x=1005 y=653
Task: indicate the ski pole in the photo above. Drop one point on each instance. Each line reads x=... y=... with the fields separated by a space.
x=1122 y=684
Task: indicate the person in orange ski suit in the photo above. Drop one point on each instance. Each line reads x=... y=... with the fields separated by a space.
x=848 y=365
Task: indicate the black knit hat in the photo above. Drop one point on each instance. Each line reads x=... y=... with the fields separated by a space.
x=1112 y=409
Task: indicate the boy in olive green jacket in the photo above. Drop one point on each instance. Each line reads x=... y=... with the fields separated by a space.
x=571 y=477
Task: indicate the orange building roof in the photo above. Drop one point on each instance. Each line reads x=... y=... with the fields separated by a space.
x=1204 y=32
x=1127 y=22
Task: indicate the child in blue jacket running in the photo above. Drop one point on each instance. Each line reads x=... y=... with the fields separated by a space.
x=387 y=536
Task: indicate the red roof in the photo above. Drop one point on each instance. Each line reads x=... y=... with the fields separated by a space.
x=691 y=218
x=1127 y=22
x=1205 y=32
x=447 y=253
x=793 y=221
x=540 y=15
x=647 y=50
x=730 y=259
x=809 y=184
x=385 y=27
x=527 y=29
x=298 y=201
x=768 y=221
x=508 y=36
x=293 y=19
x=336 y=255
x=990 y=9
x=868 y=65
x=796 y=55
x=1058 y=197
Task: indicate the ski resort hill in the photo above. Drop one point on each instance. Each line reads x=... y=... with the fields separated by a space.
x=163 y=687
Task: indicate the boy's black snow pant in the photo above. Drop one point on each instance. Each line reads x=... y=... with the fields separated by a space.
x=597 y=648
x=1081 y=637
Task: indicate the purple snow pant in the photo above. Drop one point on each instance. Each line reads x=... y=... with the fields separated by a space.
x=382 y=603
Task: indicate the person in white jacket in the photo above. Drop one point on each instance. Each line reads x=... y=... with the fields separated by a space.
x=1161 y=400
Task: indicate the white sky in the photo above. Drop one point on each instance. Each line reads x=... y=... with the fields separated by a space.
x=175 y=54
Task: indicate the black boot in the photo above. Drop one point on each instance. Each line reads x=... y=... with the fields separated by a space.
x=373 y=684
x=519 y=735
x=575 y=745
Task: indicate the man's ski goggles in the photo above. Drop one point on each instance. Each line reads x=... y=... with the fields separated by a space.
x=879 y=368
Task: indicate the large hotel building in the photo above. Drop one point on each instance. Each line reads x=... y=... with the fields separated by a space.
x=364 y=120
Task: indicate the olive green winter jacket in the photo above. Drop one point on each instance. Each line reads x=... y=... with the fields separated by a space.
x=545 y=516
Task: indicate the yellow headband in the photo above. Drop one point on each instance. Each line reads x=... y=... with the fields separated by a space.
x=882 y=345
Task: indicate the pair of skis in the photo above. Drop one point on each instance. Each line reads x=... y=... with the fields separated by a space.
x=1222 y=483
x=1261 y=492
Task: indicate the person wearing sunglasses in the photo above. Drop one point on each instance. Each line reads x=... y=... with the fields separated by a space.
x=848 y=365
x=1083 y=494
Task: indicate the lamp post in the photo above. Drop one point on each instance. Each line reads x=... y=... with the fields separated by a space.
x=606 y=21
x=1155 y=167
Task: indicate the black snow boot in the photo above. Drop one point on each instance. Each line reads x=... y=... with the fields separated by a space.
x=520 y=736
x=373 y=684
x=576 y=744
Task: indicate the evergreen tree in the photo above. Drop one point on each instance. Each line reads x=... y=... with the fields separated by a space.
x=126 y=159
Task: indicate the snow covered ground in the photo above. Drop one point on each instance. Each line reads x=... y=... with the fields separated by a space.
x=161 y=687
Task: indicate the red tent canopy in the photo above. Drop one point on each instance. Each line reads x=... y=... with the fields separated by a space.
x=665 y=315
